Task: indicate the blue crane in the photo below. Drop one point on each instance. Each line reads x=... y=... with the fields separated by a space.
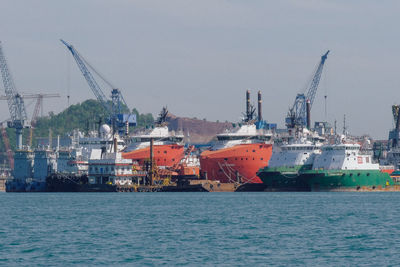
x=113 y=106
x=16 y=106
x=297 y=114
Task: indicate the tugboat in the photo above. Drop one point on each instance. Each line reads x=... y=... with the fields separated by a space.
x=168 y=146
x=238 y=154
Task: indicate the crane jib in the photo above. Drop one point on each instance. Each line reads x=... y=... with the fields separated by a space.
x=299 y=106
x=113 y=106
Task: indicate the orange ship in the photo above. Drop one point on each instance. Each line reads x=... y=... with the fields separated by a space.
x=168 y=147
x=238 y=155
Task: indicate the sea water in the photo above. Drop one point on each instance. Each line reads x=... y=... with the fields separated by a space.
x=200 y=229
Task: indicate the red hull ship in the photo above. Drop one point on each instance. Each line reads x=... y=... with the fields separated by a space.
x=236 y=164
x=239 y=154
x=164 y=155
x=168 y=148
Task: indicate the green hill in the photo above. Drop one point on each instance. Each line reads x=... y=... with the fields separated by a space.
x=84 y=116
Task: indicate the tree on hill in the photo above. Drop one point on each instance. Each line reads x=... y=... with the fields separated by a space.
x=84 y=116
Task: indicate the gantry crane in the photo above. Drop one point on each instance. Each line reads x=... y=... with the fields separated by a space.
x=113 y=106
x=297 y=114
x=38 y=106
x=35 y=114
x=15 y=102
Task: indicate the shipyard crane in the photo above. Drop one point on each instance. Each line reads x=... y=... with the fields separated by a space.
x=297 y=114
x=15 y=102
x=35 y=114
x=38 y=106
x=39 y=97
x=113 y=107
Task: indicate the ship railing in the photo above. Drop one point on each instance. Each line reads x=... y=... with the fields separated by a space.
x=229 y=172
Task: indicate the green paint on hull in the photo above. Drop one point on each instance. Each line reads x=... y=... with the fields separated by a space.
x=338 y=180
x=284 y=178
x=301 y=178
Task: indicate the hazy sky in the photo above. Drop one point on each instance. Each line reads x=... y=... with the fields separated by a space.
x=199 y=57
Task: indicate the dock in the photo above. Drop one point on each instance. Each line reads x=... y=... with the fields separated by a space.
x=3 y=184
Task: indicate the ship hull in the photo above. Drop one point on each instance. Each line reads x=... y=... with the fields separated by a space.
x=283 y=179
x=235 y=164
x=347 y=180
x=15 y=186
x=164 y=155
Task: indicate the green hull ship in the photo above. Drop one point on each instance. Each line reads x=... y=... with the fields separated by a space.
x=283 y=178
x=285 y=166
x=347 y=180
x=339 y=167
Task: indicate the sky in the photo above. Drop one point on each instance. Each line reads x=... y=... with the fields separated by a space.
x=199 y=57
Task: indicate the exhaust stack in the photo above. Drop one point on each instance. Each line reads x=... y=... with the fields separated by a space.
x=308 y=110
x=247 y=103
x=151 y=161
x=115 y=145
x=396 y=141
x=259 y=106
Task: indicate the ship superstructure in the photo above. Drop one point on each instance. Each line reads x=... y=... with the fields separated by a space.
x=71 y=161
x=345 y=156
x=287 y=161
x=33 y=167
x=110 y=168
x=23 y=169
x=344 y=166
x=103 y=139
x=238 y=154
x=168 y=146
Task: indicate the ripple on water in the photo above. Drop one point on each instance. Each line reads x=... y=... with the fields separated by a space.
x=200 y=229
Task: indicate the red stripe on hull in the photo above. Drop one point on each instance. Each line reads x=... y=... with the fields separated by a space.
x=388 y=171
x=245 y=159
x=164 y=155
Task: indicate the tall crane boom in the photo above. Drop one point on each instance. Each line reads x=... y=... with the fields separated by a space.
x=297 y=114
x=80 y=61
x=312 y=91
x=113 y=106
x=15 y=102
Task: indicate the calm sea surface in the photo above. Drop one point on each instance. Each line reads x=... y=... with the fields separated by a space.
x=315 y=229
